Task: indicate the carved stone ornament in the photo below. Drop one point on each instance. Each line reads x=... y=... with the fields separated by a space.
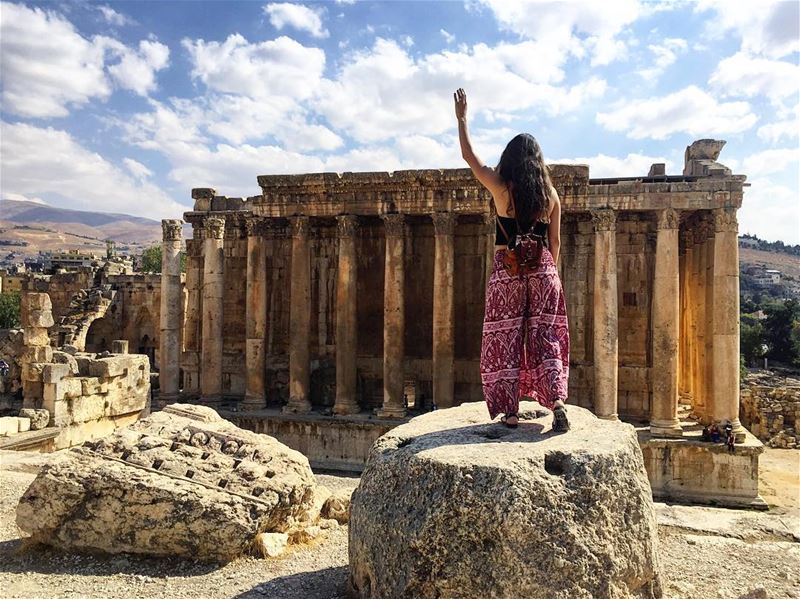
x=346 y=225
x=172 y=230
x=668 y=219
x=256 y=227
x=215 y=227
x=300 y=226
x=394 y=224
x=604 y=219
x=725 y=220
x=444 y=223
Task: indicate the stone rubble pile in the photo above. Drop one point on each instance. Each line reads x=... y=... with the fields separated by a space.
x=770 y=408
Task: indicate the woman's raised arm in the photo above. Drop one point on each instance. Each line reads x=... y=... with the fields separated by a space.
x=485 y=174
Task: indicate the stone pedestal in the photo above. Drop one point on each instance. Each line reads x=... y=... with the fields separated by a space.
x=213 y=290
x=299 y=319
x=443 y=334
x=605 y=341
x=726 y=319
x=346 y=319
x=665 y=323
x=171 y=310
x=256 y=316
x=393 y=319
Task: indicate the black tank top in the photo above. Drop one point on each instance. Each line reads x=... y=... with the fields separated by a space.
x=510 y=225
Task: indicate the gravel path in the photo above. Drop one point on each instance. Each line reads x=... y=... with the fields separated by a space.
x=709 y=564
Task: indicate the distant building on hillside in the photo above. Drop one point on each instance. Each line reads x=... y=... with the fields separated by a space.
x=749 y=242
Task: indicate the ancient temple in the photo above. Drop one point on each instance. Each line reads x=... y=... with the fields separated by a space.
x=344 y=301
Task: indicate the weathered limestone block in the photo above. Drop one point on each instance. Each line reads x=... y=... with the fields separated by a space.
x=61 y=357
x=9 y=425
x=24 y=424
x=41 y=319
x=181 y=482
x=38 y=418
x=452 y=506
x=36 y=337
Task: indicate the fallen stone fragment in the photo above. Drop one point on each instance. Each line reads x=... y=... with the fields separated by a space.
x=181 y=482
x=271 y=544
x=337 y=507
x=39 y=418
x=452 y=506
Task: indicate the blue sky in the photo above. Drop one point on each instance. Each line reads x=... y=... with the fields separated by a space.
x=125 y=106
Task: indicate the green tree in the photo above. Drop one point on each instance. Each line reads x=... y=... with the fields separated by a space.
x=751 y=341
x=151 y=260
x=778 y=326
x=9 y=310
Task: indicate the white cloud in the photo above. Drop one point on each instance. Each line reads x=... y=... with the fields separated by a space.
x=112 y=17
x=775 y=132
x=769 y=162
x=137 y=169
x=767 y=27
x=770 y=211
x=448 y=37
x=18 y=197
x=298 y=16
x=664 y=54
x=48 y=67
x=50 y=163
x=555 y=24
x=689 y=110
x=744 y=75
x=632 y=165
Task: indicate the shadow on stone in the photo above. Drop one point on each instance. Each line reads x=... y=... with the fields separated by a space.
x=328 y=583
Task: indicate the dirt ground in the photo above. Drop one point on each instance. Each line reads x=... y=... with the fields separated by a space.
x=705 y=552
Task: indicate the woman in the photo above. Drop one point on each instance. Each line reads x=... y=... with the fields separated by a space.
x=525 y=343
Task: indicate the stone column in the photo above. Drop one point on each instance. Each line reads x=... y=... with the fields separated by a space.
x=299 y=319
x=606 y=347
x=725 y=386
x=443 y=333
x=213 y=290
x=393 y=319
x=192 y=321
x=256 y=316
x=346 y=316
x=489 y=231
x=665 y=329
x=171 y=311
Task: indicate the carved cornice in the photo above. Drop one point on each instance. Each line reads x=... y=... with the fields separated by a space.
x=300 y=226
x=604 y=220
x=346 y=225
x=668 y=218
x=172 y=230
x=444 y=223
x=214 y=227
x=725 y=220
x=394 y=224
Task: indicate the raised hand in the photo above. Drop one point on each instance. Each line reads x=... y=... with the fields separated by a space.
x=460 y=98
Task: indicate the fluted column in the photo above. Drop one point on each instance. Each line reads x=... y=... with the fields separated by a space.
x=443 y=333
x=256 y=316
x=726 y=319
x=213 y=290
x=606 y=348
x=171 y=319
x=393 y=319
x=346 y=315
x=665 y=328
x=300 y=319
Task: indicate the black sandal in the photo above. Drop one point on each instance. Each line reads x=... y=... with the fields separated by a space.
x=560 y=421
x=505 y=418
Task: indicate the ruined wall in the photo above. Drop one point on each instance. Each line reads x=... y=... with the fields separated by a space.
x=770 y=408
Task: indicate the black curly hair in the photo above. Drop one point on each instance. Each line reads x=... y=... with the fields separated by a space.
x=527 y=178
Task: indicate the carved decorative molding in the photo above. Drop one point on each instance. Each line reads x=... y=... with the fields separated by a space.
x=215 y=227
x=172 y=230
x=300 y=226
x=346 y=225
x=725 y=220
x=444 y=223
x=257 y=227
x=394 y=224
x=604 y=220
x=668 y=218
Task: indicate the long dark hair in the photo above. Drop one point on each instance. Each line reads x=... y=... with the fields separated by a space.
x=527 y=178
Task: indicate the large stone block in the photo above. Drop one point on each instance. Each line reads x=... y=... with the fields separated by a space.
x=9 y=425
x=450 y=505
x=53 y=373
x=38 y=418
x=180 y=482
x=36 y=337
x=40 y=319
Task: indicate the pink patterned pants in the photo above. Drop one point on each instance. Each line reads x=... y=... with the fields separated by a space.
x=525 y=343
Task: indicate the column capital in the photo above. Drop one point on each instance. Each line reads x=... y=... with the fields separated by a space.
x=604 y=219
x=214 y=227
x=686 y=239
x=444 y=223
x=256 y=227
x=668 y=218
x=171 y=230
x=346 y=225
x=300 y=226
x=725 y=220
x=394 y=224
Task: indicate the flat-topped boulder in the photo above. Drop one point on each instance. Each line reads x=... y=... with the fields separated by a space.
x=451 y=505
x=182 y=481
